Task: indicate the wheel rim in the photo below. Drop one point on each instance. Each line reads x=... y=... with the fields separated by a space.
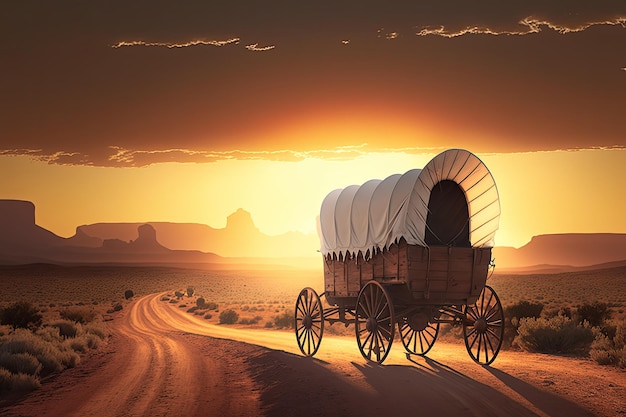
x=483 y=327
x=309 y=321
x=375 y=322
x=418 y=334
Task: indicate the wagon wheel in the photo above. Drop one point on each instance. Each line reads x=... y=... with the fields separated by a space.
x=417 y=333
x=375 y=322
x=309 y=321
x=483 y=327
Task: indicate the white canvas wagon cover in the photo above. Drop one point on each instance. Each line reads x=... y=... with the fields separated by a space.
x=380 y=212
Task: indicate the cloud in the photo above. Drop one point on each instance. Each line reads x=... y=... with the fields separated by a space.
x=255 y=47
x=121 y=157
x=528 y=25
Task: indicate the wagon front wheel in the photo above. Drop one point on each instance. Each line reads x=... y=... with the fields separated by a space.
x=483 y=327
x=309 y=321
x=418 y=334
x=375 y=322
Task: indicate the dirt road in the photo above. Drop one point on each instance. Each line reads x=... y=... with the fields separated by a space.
x=160 y=362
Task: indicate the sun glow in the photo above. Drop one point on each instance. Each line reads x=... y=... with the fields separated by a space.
x=540 y=192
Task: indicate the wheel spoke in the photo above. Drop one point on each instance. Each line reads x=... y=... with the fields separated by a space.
x=309 y=320
x=484 y=345
x=375 y=322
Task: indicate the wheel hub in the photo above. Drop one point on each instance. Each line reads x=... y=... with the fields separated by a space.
x=418 y=322
x=480 y=325
x=307 y=321
x=371 y=324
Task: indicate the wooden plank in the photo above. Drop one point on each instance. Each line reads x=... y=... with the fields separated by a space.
x=353 y=277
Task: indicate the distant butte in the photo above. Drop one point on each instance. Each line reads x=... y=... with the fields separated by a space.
x=23 y=241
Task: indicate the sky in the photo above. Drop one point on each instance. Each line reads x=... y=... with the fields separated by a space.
x=185 y=111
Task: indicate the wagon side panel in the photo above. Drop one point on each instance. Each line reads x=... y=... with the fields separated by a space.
x=447 y=275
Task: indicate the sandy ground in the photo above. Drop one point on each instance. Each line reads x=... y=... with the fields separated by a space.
x=162 y=361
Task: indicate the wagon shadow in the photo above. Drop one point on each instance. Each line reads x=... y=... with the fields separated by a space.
x=432 y=388
x=548 y=403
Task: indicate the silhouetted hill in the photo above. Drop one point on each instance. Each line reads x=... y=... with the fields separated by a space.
x=572 y=249
x=22 y=241
x=18 y=228
x=240 y=238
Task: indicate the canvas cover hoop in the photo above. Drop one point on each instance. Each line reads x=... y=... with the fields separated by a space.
x=379 y=213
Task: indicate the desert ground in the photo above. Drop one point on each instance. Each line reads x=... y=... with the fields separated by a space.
x=163 y=360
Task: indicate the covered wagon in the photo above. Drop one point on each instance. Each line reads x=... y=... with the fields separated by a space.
x=413 y=249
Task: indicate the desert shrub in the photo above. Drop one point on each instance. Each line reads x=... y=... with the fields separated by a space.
x=558 y=334
x=53 y=357
x=595 y=313
x=173 y=301
x=245 y=308
x=98 y=329
x=129 y=294
x=269 y=324
x=229 y=316
x=164 y=298
x=606 y=350
x=190 y=291
x=78 y=314
x=67 y=329
x=179 y=294
x=117 y=307
x=17 y=382
x=253 y=320
x=200 y=302
x=285 y=320
x=208 y=316
x=77 y=344
x=21 y=314
x=512 y=315
x=20 y=363
x=192 y=309
x=211 y=306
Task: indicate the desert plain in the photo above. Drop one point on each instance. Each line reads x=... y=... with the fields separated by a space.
x=165 y=357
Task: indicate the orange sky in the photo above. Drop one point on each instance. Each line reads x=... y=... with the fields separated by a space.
x=540 y=192
x=185 y=111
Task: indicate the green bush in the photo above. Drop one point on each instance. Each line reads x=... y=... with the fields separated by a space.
x=285 y=320
x=229 y=316
x=606 y=350
x=21 y=314
x=512 y=315
x=594 y=313
x=558 y=334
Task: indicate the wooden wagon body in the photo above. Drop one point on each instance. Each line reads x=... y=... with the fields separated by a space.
x=436 y=275
x=411 y=251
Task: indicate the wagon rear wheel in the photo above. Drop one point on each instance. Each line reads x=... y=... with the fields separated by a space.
x=375 y=322
x=483 y=327
x=418 y=334
x=309 y=321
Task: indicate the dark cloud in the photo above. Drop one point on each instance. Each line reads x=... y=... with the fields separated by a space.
x=133 y=83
